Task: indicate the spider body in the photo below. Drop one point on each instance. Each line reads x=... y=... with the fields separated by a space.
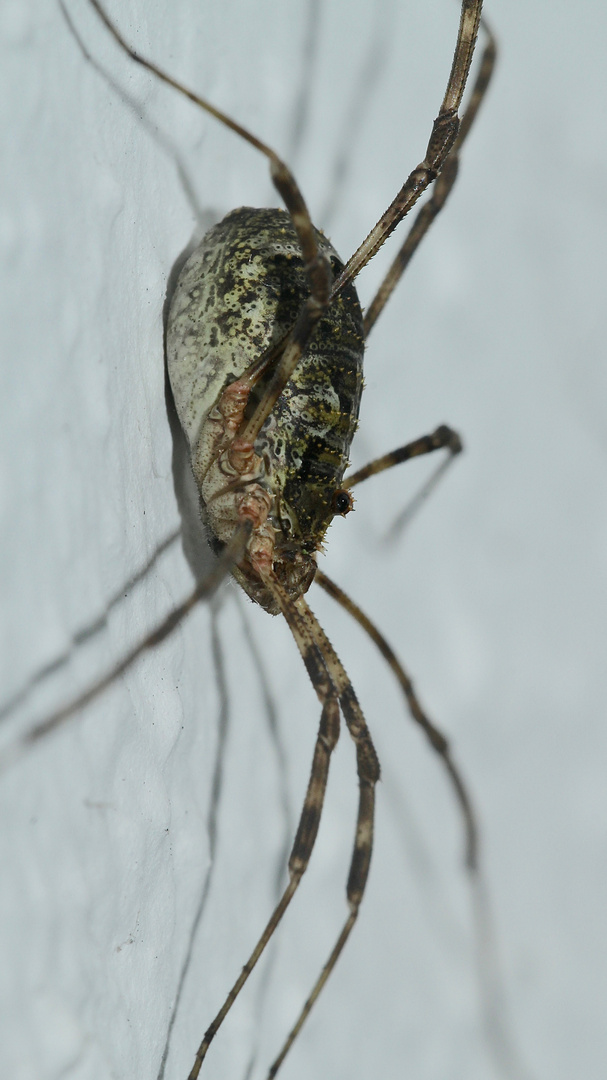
x=265 y=340
x=238 y=297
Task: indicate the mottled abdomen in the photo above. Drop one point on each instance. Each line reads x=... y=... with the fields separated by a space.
x=238 y=294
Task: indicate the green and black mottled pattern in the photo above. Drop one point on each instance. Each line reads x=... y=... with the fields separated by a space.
x=239 y=293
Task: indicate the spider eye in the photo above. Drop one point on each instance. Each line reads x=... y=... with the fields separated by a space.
x=342 y=502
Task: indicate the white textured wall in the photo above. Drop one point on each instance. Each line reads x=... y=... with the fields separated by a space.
x=144 y=840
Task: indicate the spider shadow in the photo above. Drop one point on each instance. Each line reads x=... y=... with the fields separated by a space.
x=198 y=555
x=204 y=220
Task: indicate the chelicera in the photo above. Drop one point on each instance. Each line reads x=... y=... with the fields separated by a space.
x=265 y=340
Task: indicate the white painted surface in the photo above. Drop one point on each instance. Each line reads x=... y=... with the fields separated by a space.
x=495 y=598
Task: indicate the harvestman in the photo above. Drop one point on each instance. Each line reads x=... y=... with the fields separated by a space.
x=269 y=424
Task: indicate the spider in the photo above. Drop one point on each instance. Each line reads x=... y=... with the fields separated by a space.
x=257 y=568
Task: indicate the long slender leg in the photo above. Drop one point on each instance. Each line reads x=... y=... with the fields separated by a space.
x=327 y=694
x=444 y=438
x=231 y=554
x=318 y=986
x=489 y=970
x=316 y=264
x=282 y=177
x=442 y=139
x=444 y=134
x=368 y=775
x=446 y=160
x=300 y=855
x=435 y=737
x=441 y=190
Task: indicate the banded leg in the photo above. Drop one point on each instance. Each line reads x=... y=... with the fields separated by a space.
x=309 y=821
x=230 y=555
x=435 y=737
x=442 y=140
x=441 y=189
x=368 y=775
x=444 y=438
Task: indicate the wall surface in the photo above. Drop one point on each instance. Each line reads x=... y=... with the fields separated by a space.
x=143 y=843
